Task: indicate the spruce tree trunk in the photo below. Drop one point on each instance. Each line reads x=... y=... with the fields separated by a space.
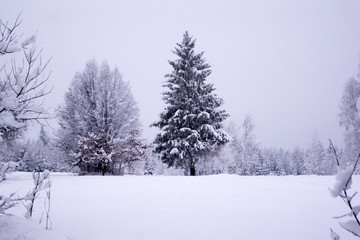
x=103 y=170
x=192 y=171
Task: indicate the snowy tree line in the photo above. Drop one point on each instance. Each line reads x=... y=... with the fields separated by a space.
x=244 y=155
x=100 y=131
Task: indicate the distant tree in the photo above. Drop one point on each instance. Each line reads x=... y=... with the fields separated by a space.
x=261 y=167
x=150 y=165
x=33 y=158
x=315 y=156
x=298 y=167
x=99 y=126
x=350 y=117
x=38 y=155
x=283 y=162
x=270 y=160
x=231 y=152
x=328 y=166
x=192 y=121
x=249 y=149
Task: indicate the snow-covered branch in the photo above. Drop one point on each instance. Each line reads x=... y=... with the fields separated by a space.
x=22 y=84
x=340 y=189
x=6 y=202
x=41 y=182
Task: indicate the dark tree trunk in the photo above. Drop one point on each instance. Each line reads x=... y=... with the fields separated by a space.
x=103 y=170
x=192 y=171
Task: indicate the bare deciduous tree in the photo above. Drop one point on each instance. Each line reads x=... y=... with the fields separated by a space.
x=99 y=122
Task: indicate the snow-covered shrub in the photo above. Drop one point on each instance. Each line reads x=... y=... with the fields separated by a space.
x=38 y=155
x=102 y=153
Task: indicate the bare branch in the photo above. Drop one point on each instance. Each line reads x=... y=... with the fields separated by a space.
x=357 y=160
x=334 y=150
x=349 y=229
x=8 y=36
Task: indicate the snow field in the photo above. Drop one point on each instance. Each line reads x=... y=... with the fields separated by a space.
x=175 y=207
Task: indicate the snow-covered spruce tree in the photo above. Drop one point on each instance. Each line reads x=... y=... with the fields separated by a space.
x=99 y=126
x=191 y=123
x=249 y=153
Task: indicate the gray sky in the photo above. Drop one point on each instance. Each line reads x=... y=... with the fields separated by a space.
x=284 y=63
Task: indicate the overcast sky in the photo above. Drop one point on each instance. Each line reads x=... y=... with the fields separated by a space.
x=284 y=63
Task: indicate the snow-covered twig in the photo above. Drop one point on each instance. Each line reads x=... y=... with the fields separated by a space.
x=40 y=184
x=9 y=201
x=8 y=38
x=47 y=208
x=6 y=168
x=341 y=187
x=21 y=86
x=334 y=235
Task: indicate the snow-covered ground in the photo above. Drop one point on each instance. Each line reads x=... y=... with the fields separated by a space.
x=170 y=208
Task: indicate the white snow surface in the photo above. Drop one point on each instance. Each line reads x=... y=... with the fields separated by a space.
x=176 y=207
x=14 y=227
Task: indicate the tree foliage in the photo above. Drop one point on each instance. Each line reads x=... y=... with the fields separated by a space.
x=99 y=120
x=350 y=117
x=43 y=153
